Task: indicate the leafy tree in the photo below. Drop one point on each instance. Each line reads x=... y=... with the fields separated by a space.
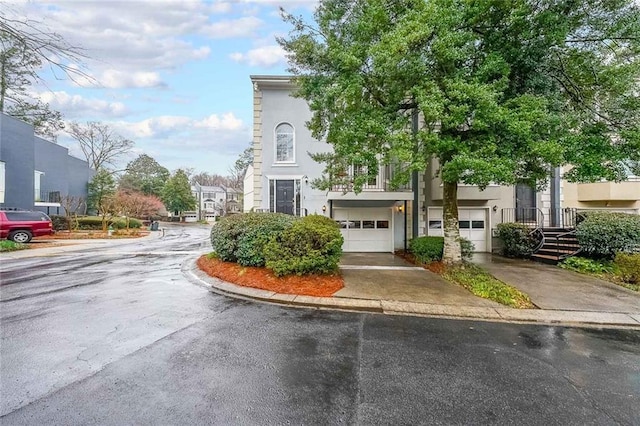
x=176 y=194
x=136 y=204
x=145 y=175
x=100 y=145
x=495 y=91
x=101 y=186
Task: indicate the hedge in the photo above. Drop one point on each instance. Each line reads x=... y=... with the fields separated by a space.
x=517 y=240
x=241 y=238
x=95 y=223
x=628 y=266
x=429 y=249
x=311 y=245
x=604 y=234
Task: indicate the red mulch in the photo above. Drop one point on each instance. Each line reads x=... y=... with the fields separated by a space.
x=262 y=278
x=435 y=267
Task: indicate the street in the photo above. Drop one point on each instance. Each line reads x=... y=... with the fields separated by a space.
x=117 y=335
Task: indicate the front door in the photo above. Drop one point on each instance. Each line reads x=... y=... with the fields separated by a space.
x=525 y=203
x=285 y=196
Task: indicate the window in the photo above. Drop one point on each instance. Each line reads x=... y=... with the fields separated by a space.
x=382 y=224
x=285 y=143
x=435 y=224
x=1 y=181
x=36 y=185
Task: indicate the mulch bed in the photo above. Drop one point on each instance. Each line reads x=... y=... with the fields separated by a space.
x=90 y=235
x=262 y=278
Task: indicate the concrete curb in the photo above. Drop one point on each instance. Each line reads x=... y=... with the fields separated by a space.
x=389 y=307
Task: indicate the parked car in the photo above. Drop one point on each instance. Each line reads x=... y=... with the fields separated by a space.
x=21 y=226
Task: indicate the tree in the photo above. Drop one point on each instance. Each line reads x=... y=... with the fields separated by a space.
x=25 y=46
x=504 y=91
x=145 y=175
x=100 y=187
x=71 y=205
x=18 y=69
x=100 y=145
x=176 y=194
x=239 y=168
x=206 y=179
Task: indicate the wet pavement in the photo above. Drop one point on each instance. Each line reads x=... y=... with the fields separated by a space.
x=117 y=335
x=551 y=287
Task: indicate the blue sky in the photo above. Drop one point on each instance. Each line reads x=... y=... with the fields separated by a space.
x=173 y=76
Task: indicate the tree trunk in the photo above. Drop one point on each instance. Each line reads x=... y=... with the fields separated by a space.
x=452 y=252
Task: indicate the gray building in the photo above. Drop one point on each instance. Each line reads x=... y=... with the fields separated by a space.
x=36 y=174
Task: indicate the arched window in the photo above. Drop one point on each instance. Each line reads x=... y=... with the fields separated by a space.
x=285 y=143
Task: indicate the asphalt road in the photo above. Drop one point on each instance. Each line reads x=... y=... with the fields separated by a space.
x=117 y=335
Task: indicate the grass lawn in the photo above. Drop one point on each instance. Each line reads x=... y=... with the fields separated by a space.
x=6 y=245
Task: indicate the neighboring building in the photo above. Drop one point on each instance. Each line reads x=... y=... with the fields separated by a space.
x=614 y=196
x=213 y=201
x=381 y=219
x=36 y=174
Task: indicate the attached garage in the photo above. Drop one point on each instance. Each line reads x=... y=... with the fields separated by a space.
x=365 y=229
x=473 y=224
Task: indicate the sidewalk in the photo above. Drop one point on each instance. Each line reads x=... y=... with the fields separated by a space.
x=394 y=287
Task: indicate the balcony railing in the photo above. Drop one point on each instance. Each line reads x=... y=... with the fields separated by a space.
x=47 y=196
x=382 y=182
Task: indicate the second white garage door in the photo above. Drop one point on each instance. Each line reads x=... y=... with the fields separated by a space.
x=365 y=229
x=472 y=222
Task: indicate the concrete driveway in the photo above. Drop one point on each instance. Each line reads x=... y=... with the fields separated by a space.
x=385 y=276
x=551 y=287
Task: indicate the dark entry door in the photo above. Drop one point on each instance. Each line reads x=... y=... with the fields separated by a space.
x=285 y=196
x=525 y=203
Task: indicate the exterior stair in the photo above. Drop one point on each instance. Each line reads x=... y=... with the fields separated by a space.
x=558 y=244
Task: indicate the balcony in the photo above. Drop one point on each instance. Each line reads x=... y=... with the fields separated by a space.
x=467 y=192
x=47 y=198
x=610 y=191
x=376 y=188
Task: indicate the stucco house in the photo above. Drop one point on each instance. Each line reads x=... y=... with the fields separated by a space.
x=382 y=219
x=36 y=174
x=213 y=201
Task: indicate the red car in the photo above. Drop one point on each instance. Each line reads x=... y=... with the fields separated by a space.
x=21 y=226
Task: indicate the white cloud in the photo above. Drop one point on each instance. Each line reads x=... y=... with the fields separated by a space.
x=74 y=106
x=265 y=56
x=234 y=28
x=115 y=79
x=165 y=126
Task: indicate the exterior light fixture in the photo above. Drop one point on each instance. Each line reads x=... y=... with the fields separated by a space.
x=494 y=208
x=324 y=209
x=400 y=208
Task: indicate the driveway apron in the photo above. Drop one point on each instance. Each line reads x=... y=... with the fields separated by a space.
x=551 y=287
x=386 y=276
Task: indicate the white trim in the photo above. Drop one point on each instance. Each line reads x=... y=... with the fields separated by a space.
x=275 y=144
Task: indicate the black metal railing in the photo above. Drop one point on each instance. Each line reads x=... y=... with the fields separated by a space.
x=530 y=216
x=567 y=245
x=383 y=181
x=47 y=196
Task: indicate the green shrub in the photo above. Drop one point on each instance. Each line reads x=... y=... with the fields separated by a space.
x=311 y=245
x=429 y=249
x=59 y=222
x=517 y=240
x=628 y=267
x=95 y=223
x=467 y=248
x=586 y=266
x=603 y=234
x=241 y=238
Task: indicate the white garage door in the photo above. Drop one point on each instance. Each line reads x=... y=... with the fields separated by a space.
x=365 y=229
x=472 y=223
